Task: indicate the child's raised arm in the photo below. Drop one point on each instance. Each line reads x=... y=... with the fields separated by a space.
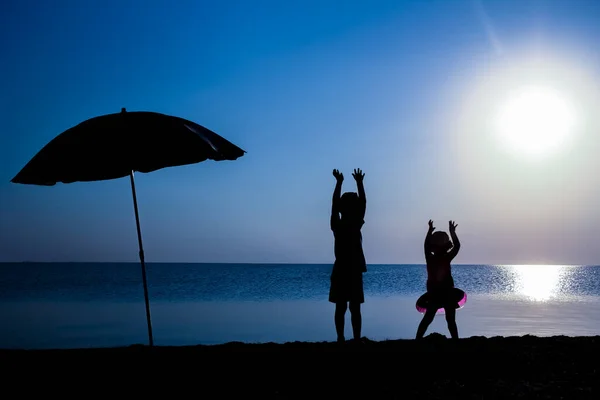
x=335 y=201
x=358 y=177
x=426 y=246
x=455 y=242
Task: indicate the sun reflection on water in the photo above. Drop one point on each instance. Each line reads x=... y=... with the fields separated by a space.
x=539 y=282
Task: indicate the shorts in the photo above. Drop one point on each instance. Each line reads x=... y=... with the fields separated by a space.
x=346 y=286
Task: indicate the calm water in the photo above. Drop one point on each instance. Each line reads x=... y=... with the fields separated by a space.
x=89 y=305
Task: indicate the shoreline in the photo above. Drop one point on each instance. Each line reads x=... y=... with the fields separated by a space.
x=436 y=367
x=433 y=338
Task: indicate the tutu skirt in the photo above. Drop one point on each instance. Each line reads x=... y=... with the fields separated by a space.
x=440 y=299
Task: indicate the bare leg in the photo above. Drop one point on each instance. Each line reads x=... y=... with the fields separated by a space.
x=340 y=315
x=451 y=320
x=356 y=318
x=425 y=322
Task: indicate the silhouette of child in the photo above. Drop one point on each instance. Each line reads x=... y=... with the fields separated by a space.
x=346 y=276
x=441 y=293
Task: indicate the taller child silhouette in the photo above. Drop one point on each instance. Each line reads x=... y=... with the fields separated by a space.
x=347 y=219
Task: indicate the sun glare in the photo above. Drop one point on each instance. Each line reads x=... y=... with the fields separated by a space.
x=535 y=121
x=538 y=282
x=527 y=107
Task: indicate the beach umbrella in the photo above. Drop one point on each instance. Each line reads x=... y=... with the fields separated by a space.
x=117 y=145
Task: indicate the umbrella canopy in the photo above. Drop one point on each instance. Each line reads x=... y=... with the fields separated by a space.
x=113 y=145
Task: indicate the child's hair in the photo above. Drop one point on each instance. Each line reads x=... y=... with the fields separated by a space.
x=349 y=203
x=440 y=242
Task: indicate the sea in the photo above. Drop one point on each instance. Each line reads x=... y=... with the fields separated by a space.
x=82 y=305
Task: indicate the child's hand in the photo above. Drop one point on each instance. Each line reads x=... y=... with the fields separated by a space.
x=452 y=226
x=431 y=227
x=338 y=175
x=358 y=175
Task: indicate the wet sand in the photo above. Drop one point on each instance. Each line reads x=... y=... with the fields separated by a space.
x=77 y=324
x=525 y=367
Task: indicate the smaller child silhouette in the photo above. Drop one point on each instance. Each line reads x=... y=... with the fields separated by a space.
x=346 y=276
x=441 y=293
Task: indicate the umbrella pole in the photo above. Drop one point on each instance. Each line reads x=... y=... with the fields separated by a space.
x=139 y=234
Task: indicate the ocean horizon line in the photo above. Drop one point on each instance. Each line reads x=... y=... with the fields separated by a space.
x=290 y=263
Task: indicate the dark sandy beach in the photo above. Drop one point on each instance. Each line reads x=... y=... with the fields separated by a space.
x=436 y=368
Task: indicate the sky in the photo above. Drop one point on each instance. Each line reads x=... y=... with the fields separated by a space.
x=408 y=91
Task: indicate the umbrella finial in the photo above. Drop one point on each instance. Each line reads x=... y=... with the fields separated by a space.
x=123 y=110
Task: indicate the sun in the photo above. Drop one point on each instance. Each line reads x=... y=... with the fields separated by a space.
x=535 y=121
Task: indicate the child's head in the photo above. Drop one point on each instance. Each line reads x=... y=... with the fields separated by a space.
x=349 y=205
x=440 y=242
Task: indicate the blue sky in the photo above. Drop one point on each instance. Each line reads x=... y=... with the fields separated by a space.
x=401 y=89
